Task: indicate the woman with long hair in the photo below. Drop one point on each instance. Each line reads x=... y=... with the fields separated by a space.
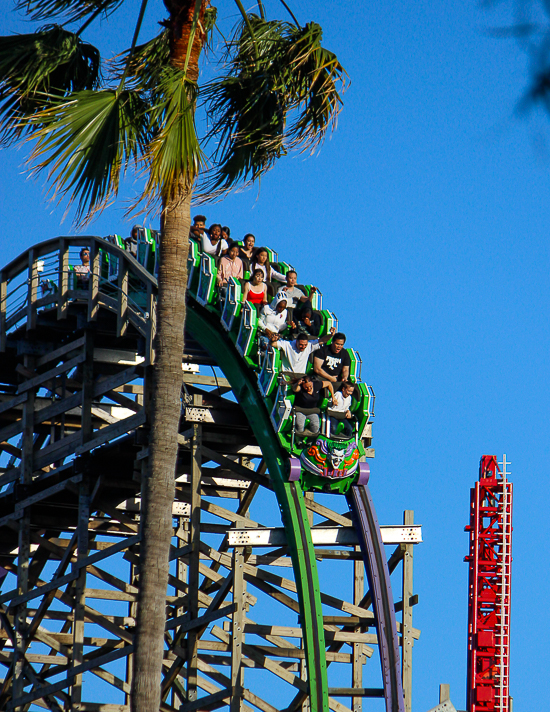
x=255 y=290
x=247 y=249
x=213 y=242
x=261 y=262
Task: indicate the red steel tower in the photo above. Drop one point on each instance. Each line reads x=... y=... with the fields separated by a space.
x=490 y=562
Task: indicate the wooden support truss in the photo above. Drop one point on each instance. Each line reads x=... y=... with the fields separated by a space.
x=74 y=413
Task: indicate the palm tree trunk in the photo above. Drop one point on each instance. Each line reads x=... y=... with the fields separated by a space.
x=158 y=494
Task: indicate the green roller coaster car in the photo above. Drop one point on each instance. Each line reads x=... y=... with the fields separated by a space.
x=330 y=465
x=325 y=464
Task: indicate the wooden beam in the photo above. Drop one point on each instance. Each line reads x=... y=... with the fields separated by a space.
x=407 y=615
x=237 y=631
x=194 y=557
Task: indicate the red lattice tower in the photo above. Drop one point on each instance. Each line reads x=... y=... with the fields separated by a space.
x=490 y=562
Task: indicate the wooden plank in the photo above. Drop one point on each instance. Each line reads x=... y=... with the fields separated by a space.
x=3 y=309
x=200 y=622
x=32 y=292
x=194 y=558
x=87 y=387
x=27 y=437
x=407 y=615
x=122 y=311
x=258 y=702
x=99 y=707
x=61 y=581
x=274 y=667
x=93 y=282
x=113 y=431
x=11 y=449
x=44 y=494
x=11 y=430
x=356 y=691
x=46 y=690
x=58 y=450
x=206 y=703
x=52 y=373
x=244 y=472
x=357 y=664
x=199 y=379
x=79 y=589
x=63 y=278
x=237 y=630
x=8 y=405
x=105 y=384
x=57 y=408
x=61 y=351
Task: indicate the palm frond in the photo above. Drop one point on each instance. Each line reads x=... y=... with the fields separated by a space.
x=87 y=142
x=281 y=92
x=174 y=154
x=145 y=66
x=71 y=10
x=314 y=80
x=51 y=62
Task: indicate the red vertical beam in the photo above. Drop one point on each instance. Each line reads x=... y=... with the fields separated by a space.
x=490 y=560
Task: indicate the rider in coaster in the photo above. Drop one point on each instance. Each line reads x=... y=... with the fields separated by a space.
x=261 y=261
x=131 y=243
x=255 y=290
x=296 y=353
x=305 y=404
x=295 y=297
x=197 y=228
x=230 y=265
x=272 y=320
x=213 y=242
x=246 y=252
x=339 y=411
x=82 y=271
x=333 y=362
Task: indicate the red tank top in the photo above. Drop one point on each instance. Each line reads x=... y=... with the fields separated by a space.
x=255 y=297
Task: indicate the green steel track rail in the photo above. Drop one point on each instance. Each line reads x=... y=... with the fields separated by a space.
x=208 y=332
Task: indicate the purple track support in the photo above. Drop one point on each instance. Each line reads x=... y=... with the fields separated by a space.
x=378 y=575
x=364 y=473
x=295 y=469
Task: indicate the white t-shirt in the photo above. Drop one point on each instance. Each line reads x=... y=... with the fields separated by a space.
x=294 y=360
x=274 y=274
x=211 y=249
x=340 y=404
x=291 y=294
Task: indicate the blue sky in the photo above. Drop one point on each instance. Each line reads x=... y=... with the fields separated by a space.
x=424 y=221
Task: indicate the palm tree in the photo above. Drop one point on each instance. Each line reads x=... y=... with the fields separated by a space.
x=276 y=89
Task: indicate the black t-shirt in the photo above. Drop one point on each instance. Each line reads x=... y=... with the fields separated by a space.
x=333 y=363
x=308 y=400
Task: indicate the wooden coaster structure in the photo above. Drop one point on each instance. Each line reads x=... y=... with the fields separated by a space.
x=74 y=409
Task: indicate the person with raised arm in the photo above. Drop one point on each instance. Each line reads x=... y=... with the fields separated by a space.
x=197 y=229
x=333 y=362
x=296 y=353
